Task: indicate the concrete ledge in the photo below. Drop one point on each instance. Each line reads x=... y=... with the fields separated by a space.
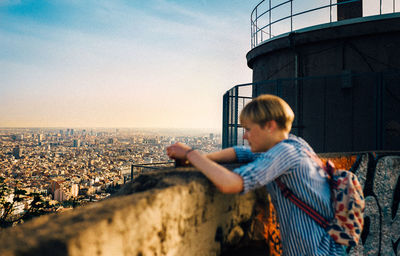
x=169 y=212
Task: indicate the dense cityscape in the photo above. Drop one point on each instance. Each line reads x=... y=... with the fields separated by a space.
x=69 y=167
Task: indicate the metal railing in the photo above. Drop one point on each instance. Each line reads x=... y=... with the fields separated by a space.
x=336 y=113
x=262 y=17
x=159 y=165
x=233 y=102
x=137 y=169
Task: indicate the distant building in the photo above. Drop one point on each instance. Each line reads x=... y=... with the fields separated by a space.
x=57 y=190
x=54 y=185
x=74 y=190
x=59 y=195
x=17 y=152
x=18 y=137
x=40 y=138
x=77 y=143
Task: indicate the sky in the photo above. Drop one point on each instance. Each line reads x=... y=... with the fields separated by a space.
x=122 y=63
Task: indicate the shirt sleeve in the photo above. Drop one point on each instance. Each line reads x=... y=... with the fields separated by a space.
x=268 y=166
x=244 y=154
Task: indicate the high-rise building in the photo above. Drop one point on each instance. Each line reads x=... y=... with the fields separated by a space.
x=74 y=190
x=59 y=195
x=17 y=152
x=56 y=189
x=77 y=143
x=40 y=138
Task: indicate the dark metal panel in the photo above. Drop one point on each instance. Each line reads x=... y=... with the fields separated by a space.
x=364 y=105
x=338 y=124
x=391 y=111
x=314 y=102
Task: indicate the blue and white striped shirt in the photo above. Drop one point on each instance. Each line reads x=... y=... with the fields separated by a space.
x=300 y=234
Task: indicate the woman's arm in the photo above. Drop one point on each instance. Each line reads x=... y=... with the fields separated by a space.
x=227 y=155
x=226 y=181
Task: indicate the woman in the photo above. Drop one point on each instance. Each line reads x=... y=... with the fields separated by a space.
x=273 y=153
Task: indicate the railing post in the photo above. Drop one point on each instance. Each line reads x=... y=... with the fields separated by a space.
x=251 y=32
x=256 y=21
x=225 y=120
x=236 y=115
x=291 y=15
x=330 y=11
x=270 y=32
x=231 y=116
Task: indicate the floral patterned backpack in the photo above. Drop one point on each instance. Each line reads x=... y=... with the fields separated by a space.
x=347 y=199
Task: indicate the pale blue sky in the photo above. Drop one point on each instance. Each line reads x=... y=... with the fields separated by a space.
x=121 y=63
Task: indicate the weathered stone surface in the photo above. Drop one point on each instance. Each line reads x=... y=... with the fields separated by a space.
x=378 y=175
x=235 y=235
x=172 y=212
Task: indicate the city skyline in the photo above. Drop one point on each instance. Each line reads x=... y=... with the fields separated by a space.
x=141 y=64
x=79 y=166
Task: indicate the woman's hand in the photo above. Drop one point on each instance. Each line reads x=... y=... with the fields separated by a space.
x=225 y=180
x=178 y=151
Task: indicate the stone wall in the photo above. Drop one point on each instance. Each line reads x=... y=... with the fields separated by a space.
x=168 y=212
x=379 y=174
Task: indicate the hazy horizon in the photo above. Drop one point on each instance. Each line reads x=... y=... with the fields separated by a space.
x=156 y=63
x=121 y=130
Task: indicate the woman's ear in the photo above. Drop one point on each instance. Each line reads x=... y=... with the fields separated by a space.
x=271 y=125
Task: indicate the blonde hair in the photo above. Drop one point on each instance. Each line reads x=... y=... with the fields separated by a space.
x=266 y=108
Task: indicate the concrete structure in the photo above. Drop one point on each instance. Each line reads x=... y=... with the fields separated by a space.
x=341 y=79
x=367 y=44
x=178 y=212
x=349 y=10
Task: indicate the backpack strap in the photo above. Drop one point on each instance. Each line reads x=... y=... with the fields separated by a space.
x=329 y=167
x=303 y=206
